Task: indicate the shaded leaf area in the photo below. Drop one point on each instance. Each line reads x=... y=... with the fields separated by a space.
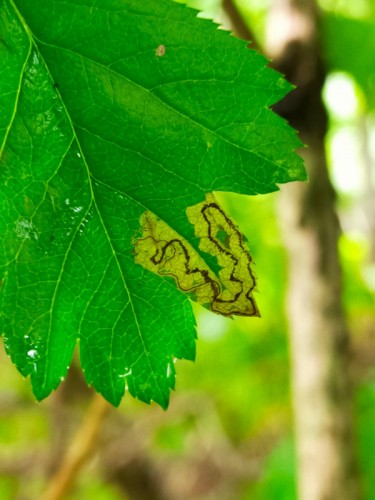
x=108 y=111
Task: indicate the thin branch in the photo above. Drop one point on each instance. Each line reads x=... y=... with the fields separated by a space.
x=79 y=450
x=238 y=25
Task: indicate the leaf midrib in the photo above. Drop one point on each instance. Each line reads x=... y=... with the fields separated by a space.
x=32 y=39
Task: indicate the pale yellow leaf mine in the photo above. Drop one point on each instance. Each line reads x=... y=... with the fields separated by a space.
x=163 y=251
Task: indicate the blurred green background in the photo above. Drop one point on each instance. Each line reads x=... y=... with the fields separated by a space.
x=228 y=433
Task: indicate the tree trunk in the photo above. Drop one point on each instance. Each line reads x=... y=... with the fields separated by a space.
x=319 y=336
x=368 y=190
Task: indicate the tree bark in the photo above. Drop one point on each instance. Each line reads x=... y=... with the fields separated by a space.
x=368 y=196
x=319 y=338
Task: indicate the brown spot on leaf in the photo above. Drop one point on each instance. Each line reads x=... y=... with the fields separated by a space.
x=160 y=51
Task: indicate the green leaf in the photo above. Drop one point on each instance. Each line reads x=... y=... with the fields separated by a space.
x=108 y=111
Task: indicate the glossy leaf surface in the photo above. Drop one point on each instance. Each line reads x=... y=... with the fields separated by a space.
x=109 y=110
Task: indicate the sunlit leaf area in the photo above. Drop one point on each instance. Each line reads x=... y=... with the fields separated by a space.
x=230 y=431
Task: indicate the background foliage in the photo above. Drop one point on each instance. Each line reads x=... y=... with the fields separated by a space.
x=241 y=374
